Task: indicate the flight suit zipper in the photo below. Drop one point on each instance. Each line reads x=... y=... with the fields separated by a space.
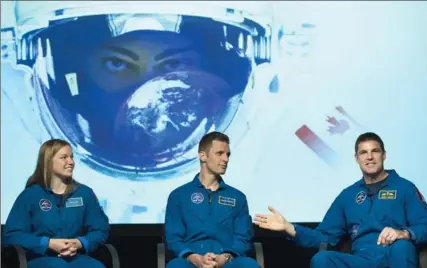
x=371 y=198
x=210 y=201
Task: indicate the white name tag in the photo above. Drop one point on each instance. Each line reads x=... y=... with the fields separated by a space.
x=74 y=202
x=227 y=201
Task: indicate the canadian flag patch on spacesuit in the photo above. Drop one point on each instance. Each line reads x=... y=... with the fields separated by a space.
x=420 y=196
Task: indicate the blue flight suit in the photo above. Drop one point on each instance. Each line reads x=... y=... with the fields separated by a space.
x=38 y=215
x=200 y=221
x=363 y=215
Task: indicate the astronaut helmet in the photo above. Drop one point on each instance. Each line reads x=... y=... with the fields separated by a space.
x=135 y=85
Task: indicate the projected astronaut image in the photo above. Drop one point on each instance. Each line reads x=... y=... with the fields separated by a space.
x=145 y=97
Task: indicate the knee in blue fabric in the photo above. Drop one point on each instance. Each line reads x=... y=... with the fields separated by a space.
x=242 y=262
x=47 y=262
x=321 y=259
x=403 y=253
x=85 y=261
x=179 y=263
x=403 y=246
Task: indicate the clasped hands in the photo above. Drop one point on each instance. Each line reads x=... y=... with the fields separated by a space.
x=209 y=260
x=276 y=222
x=65 y=247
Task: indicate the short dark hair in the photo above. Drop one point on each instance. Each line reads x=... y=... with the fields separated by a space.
x=368 y=136
x=206 y=142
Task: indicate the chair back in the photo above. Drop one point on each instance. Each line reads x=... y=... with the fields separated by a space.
x=345 y=244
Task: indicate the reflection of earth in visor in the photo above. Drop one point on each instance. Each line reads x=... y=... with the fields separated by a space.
x=153 y=121
x=167 y=116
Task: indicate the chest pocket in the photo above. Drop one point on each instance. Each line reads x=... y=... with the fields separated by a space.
x=225 y=211
x=357 y=208
x=389 y=208
x=73 y=212
x=44 y=219
x=195 y=210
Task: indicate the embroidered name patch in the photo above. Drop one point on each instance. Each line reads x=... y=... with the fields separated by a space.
x=74 y=202
x=387 y=194
x=227 y=201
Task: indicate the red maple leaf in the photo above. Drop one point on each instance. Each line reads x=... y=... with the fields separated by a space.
x=338 y=127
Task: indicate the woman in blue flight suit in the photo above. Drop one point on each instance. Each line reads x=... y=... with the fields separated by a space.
x=57 y=220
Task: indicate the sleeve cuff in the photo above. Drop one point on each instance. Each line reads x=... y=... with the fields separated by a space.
x=232 y=252
x=411 y=234
x=298 y=231
x=84 y=242
x=184 y=252
x=44 y=242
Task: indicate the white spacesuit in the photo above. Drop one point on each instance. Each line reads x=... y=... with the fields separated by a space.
x=134 y=86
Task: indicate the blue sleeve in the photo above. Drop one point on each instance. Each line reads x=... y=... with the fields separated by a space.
x=330 y=230
x=174 y=228
x=416 y=215
x=95 y=223
x=243 y=231
x=17 y=230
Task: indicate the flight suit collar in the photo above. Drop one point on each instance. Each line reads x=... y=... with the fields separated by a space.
x=199 y=184
x=74 y=188
x=392 y=175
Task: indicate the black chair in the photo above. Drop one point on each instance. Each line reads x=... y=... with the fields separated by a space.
x=15 y=256
x=163 y=257
x=345 y=246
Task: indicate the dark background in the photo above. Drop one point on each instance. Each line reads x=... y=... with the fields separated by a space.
x=136 y=245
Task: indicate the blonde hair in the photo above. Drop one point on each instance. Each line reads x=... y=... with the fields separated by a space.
x=42 y=175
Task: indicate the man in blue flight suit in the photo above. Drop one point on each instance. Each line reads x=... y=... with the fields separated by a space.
x=207 y=221
x=59 y=223
x=385 y=216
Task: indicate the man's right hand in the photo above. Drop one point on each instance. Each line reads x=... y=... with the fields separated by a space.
x=206 y=261
x=275 y=222
x=59 y=245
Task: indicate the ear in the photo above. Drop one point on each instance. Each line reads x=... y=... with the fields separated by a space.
x=385 y=156
x=356 y=158
x=202 y=156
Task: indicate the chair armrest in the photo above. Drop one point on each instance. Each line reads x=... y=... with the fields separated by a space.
x=161 y=261
x=323 y=247
x=105 y=250
x=14 y=256
x=259 y=254
x=422 y=254
x=344 y=245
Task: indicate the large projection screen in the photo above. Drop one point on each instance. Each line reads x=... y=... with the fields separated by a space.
x=133 y=86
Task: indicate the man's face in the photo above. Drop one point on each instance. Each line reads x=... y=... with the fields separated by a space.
x=370 y=157
x=216 y=159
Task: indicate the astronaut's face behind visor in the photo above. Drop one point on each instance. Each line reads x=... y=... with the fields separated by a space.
x=144 y=98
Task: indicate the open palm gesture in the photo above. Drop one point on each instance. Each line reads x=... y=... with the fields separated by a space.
x=274 y=222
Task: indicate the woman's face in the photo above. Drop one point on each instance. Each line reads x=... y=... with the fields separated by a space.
x=131 y=59
x=63 y=163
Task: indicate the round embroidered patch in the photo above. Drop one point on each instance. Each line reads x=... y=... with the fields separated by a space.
x=360 y=197
x=197 y=198
x=45 y=205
